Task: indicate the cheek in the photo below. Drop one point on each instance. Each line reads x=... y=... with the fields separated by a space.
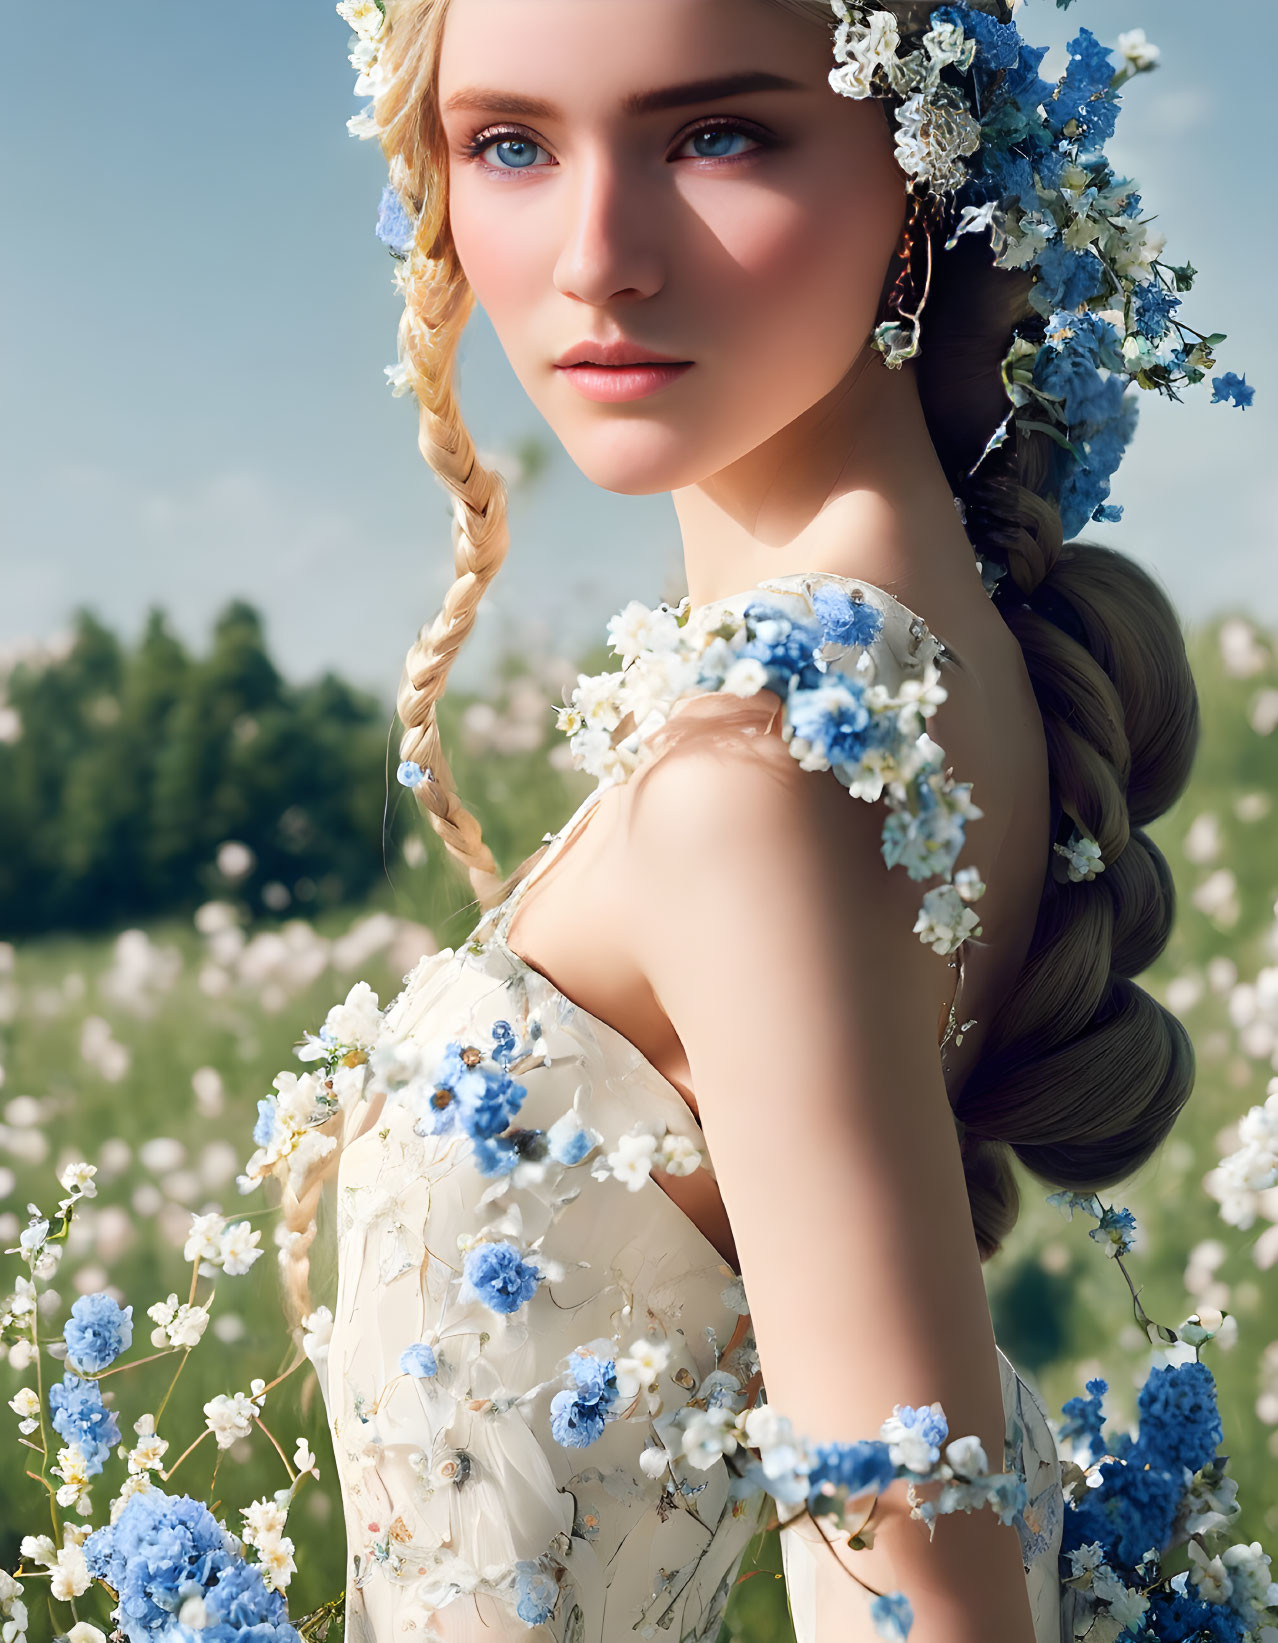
x=800 y=272
x=504 y=249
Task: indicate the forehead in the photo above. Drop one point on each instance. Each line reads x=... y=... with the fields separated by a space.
x=583 y=55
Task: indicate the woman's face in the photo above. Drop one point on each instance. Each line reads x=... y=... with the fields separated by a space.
x=605 y=185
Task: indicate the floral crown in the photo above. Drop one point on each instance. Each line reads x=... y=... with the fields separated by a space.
x=989 y=145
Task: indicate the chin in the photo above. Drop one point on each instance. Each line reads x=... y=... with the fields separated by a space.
x=634 y=459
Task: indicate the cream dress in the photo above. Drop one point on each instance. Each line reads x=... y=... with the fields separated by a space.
x=468 y=1516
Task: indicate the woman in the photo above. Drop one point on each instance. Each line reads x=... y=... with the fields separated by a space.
x=748 y=1065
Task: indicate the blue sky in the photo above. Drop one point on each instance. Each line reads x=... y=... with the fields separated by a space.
x=195 y=314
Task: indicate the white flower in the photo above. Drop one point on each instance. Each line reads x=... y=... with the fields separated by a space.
x=364 y=17
x=79 y=1178
x=707 y=1436
x=1125 y=1605
x=229 y=1418
x=908 y=1445
x=633 y=1157
x=400 y=375
x=276 y=1562
x=967 y=1456
x=73 y=1467
x=71 y=1576
x=317 y=1332
x=38 y=1549
x=84 y=1632
x=193 y=1612
x=358 y=1020
x=26 y=1405
x=677 y=1154
x=638 y=1369
x=746 y=676
x=238 y=1249
x=772 y=1434
x=598 y=696
x=944 y=922
x=202 y=1243
x=304 y=1458
x=263 y=1520
x=1135 y=49
x=636 y=628
x=177 y=1325
x=1082 y=857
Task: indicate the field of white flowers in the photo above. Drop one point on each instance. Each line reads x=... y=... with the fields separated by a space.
x=145 y=1054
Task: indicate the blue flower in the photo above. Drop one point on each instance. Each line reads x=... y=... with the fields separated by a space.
x=785 y=648
x=411 y=774
x=499 y=1276
x=833 y=717
x=856 y=1467
x=1232 y=387
x=1084 y=1418
x=845 y=620
x=163 y=1548
x=536 y=1591
x=577 y=1417
x=892 y=1615
x=998 y=45
x=1091 y=68
x=569 y=1146
x=1155 y=306
x=1179 y=1421
x=395 y=228
x=418 y=1359
x=264 y=1129
x=1107 y=513
x=1132 y=1508
x=79 y=1416
x=495 y=1157
x=1067 y=278
x=97 y=1332
x=503 y=1042
x=471 y=1097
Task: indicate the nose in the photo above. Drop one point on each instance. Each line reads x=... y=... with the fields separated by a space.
x=611 y=235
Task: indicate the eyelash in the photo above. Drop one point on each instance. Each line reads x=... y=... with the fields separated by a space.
x=474 y=147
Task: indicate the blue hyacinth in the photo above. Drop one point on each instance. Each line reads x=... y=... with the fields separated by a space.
x=97 y=1331
x=79 y=1416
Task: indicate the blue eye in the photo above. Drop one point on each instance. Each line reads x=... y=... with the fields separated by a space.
x=519 y=150
x=716 y=136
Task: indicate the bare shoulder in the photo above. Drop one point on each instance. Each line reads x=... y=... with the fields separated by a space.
x=728 y=836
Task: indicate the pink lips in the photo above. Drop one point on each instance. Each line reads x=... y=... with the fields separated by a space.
x=618 y=370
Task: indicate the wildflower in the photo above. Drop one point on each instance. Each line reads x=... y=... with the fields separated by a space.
x=237 y=1249
x=78 y=1178
x=97 y=1331
x=229 y=1418
x=79 y=1416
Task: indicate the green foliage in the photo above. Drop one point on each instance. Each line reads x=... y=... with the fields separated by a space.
x=133 y=766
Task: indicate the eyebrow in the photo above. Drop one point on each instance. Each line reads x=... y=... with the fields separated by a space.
x=638 y=102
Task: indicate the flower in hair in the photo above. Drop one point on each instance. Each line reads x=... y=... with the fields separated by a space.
x=996 y=148
x=1232 y=387
x=1082 y=857
x=410 y=774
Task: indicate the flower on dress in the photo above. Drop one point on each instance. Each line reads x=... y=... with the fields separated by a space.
x=97 y=1331
x=419 y=1359
x=578 y=1414
x=536 y=1593
x=497 y=1275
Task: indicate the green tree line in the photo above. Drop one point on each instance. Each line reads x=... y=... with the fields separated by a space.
x=125 y=768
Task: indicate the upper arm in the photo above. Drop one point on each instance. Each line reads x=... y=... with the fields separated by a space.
x=781 y=948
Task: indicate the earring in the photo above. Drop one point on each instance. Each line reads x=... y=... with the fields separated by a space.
x=897 y=334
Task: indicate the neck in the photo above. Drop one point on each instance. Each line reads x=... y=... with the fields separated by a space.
x=852 y=486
